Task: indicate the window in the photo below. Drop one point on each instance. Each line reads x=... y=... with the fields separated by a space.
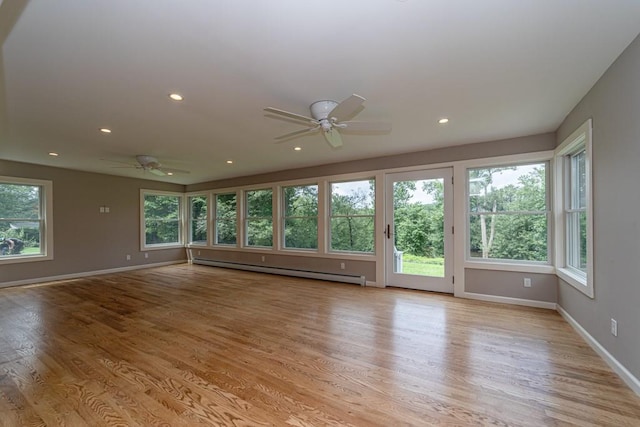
x=225 y=220
x=509 y=213
x=573 y=223
x=352 y=214
x=259 y=218
x=300 y=217
x=25 y=220
x=198 y=219
x=162 y=220
x=576 y=211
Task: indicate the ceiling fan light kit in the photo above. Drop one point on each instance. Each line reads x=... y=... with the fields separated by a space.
x=328 y=116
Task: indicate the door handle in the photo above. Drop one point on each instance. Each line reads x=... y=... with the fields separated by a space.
x=388 y=231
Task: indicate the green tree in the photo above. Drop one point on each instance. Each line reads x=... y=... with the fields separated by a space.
x=301 y=217
x=226 y=222
x=20 y=213
x=517 y=223
x=352 y=220
x=260 y=217
x=419 y=226
x=162 y=218
x=198 y=206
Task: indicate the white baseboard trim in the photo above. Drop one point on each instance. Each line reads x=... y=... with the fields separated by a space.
x=613 y=363
x=86 y=274
x=508 y=300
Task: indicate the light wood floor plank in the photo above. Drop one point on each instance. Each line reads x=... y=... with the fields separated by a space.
x=192 y=345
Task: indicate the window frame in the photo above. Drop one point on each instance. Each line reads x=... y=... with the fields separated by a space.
x=580 y=140
x=284 y=218
x=189 y=219
x=548 y=212
x=45 y=219
x=330 y=216
x=215 y=218
x=247 y=218
x=181 y=221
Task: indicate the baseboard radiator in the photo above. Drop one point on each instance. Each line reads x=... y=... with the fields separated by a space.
x=344 y=278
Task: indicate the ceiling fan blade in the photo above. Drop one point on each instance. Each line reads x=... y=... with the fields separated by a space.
x=333 y=138
x=296 y=133
x=172 y=171
x=130 y=165
x=347 y=108
x=291 y=115
x=157 y=171
x=366 y=126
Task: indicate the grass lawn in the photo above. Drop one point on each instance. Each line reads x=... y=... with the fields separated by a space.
x=423 y=266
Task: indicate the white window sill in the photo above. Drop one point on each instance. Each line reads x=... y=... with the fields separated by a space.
x=24 y=258
x=162 y=246
x=576 y=280
x=507 y=266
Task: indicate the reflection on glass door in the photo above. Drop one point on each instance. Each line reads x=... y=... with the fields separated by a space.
x=419 y=234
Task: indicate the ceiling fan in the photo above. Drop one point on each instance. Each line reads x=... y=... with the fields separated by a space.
x=328 y=117
x=152 y=165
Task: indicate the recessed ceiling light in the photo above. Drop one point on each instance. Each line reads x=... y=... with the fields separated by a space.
x=443 y=120
x=169 y=173
x=297 y=148
x=105 y=130
x=176 y=96
x=52 y=154
x=229 y=162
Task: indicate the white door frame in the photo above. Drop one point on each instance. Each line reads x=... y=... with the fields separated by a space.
x=435 y=284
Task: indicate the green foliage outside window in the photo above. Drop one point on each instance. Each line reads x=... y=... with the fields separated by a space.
x=226 y=215
x=162 y=219
x=301 y=217
x=259 y=221
x=198 y=214
x=20 y=218
x=352 y=224
x=419 y=226
x=509 y=220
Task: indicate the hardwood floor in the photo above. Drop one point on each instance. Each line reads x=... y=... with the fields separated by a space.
x=191 y=345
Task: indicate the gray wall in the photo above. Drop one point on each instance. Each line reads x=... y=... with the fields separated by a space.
x=511 y=284
x=503 y=147
x=296 y=262
x=84 y=239
x=614 y=105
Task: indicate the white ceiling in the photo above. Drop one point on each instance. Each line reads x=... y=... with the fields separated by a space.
x=496 y=68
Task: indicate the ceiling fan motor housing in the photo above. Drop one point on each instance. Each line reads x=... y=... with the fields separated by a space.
x=320 y=109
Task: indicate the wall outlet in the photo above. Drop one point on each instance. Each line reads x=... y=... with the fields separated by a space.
x=106 y=209
x=263 y=258
x=146 y=255
x=198 y=252
x=342 y=266
x=614 y=327
x=128 y=257
x=527 y=282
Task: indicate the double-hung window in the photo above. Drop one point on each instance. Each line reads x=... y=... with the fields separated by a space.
x=508 y=213
x=225 y=219
x=198 y=219
x=259 y=218
x=300 y=221
x=574 y=230
x=576 y=210
x=161 y=219
x=352 y=216
x=26 y=232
